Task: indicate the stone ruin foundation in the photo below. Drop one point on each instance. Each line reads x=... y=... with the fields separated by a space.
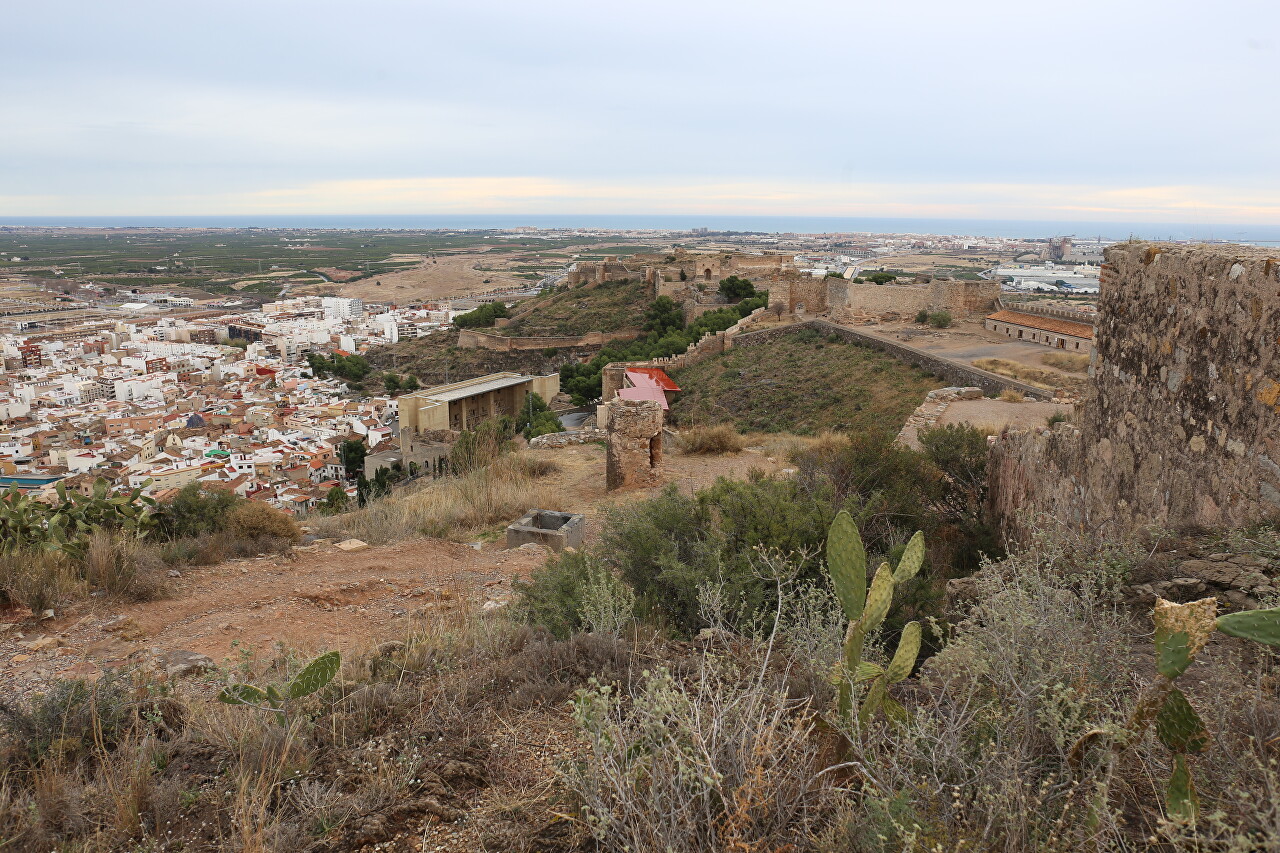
x=634 y=455
x=555 y=530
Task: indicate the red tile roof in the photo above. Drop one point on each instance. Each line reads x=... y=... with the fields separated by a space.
x=1044 y=324
x=640 y=376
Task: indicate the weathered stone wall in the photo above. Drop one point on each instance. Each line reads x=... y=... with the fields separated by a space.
x=634 y=453
x=1181 y=422
x=961 y=298
x=713 y=266
x=797 y=293
x=472 y=339
x=586 y=272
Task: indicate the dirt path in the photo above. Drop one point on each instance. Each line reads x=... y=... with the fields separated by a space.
x=319 y=597
x=316 y=597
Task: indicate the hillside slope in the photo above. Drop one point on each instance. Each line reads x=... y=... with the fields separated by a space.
x=802 y=383
x=437 y=359
x=606 y=307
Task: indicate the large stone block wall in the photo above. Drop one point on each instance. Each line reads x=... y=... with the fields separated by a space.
x=1181 y=422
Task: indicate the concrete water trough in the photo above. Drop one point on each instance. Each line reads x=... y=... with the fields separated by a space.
x=555 y=530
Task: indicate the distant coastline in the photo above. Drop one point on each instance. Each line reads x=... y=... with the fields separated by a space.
x=1262 y=234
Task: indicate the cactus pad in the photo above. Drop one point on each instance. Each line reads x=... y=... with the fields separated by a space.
x=1261 y=626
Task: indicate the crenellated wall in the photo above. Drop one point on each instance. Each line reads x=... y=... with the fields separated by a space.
x=1180 y=424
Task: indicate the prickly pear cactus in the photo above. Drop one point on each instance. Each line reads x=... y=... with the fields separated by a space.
x=1181 y=632
x=276 y=699
x=866 y=609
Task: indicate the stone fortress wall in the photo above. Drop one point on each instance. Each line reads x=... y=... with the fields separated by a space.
x=1180 y=424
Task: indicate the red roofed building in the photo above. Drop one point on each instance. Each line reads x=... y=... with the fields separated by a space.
x=1050 y=331
x=648 y=383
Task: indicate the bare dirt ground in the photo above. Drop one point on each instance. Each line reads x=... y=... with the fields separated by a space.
x=965 y=342
x=319 y=597
x=928 y=263
x=997 y=414
x=445 y=276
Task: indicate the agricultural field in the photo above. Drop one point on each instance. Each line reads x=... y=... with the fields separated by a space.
x=261 y=263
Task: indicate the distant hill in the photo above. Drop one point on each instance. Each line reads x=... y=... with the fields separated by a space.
x=802 y=383
x=605 y=307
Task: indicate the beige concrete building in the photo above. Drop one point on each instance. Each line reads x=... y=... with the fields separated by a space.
x=463 y=405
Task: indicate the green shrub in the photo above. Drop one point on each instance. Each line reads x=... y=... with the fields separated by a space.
x=485 y=315
x=552 y=598
x=195 y=510
x=535 y=418
x=940 y=319
x=670 y=548
x=922 y=316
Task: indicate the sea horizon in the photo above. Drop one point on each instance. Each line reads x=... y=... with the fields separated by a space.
x=1001 y=228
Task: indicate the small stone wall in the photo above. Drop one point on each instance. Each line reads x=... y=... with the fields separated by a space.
x=935 y=403
x=568 y=439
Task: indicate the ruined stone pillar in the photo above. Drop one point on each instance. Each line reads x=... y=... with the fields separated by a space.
x=634 y=455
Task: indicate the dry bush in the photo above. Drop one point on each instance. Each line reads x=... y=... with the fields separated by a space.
x=711 y=440
x=254 y=519
x=983 y=762
x=451 y=508
x=721 y=760
x=124 y=566
x=1073 y=362
x=1009 y=395
x=40 y=579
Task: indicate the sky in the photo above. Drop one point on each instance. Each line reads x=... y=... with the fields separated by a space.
x=1150 y=110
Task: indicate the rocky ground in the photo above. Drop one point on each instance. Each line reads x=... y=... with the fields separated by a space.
x=318 y=596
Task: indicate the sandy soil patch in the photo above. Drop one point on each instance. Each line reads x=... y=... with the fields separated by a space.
x=997 y=414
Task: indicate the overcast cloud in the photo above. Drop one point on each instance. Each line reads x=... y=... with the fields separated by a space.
x=1128 y=109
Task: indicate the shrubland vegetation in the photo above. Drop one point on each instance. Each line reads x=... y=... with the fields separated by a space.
x=54 y=554
x=1073 y=362
x=800 y=382
x=1036 y=376
x=737 y=678
x=609 y=306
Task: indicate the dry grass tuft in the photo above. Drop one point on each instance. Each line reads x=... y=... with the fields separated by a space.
x=1073 y=362
x=1009 y=395
x=712 y=440
x=1023 y=373
x=453 y=508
